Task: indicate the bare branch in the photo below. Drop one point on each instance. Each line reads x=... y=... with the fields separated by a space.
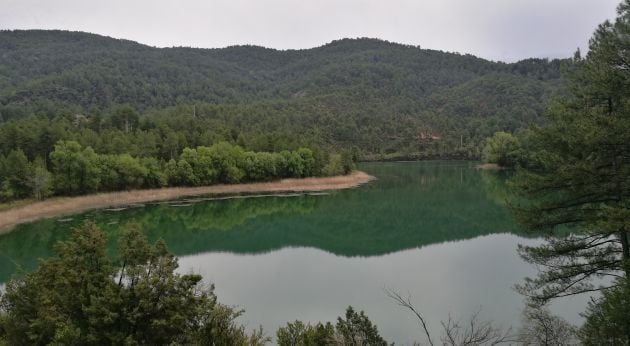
x=476 y=332
x=406 y=303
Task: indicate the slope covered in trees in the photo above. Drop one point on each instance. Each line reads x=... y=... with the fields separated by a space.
x=382 y=98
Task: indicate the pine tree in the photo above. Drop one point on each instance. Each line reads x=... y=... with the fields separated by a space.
x=81 y=297
x=577 y=182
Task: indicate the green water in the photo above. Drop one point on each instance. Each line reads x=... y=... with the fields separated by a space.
x=438 y=230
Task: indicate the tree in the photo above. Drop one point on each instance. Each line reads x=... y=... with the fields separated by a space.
x=300 y=334
x=17 y=174
x=354 y=329
x=293 y=164
x=473 y=332
x=347 y=161
x=131 y=171
x=357 y=329
x=156 y=177
x=540 y=327
x=335 y=166
x=503 y=149
x=125 y=118
x=577 y=183
x=260 y=166
x=81 y=297
x=75 y=170
x=608 y=318
x=226 y=160
x=310 y=163
x=39 y=179
x=200 y=160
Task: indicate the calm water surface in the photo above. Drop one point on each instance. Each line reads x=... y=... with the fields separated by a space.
x=437 y=231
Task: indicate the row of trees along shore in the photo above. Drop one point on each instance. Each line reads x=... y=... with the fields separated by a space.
x=76 y=170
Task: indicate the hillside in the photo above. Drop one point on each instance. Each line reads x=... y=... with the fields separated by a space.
x=377 y=97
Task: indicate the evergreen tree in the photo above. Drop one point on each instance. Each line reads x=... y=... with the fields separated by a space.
x=354 y=329
x=357 y=329
x=16 y=175
x=608 y=318
x=578 y=179
x=81 y=297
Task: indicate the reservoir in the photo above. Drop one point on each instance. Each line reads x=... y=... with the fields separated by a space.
x=437 y=232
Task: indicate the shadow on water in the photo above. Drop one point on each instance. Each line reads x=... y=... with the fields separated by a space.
x=409 y=205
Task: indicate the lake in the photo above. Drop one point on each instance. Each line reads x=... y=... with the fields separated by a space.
x=439 y=232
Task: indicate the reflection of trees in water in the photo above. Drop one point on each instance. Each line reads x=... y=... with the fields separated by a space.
x=26 y=244
x=410 y=205
x=495 y=185
x=185 y=229
x=215 y=224
x=222 y=214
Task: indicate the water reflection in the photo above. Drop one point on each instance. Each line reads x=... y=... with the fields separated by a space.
x=410 y=205
x=438 y=230
x=455 y=278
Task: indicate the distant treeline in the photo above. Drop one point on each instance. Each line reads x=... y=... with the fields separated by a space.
x=78 y=170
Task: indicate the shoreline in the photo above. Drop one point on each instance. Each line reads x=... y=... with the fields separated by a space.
x=62 y=206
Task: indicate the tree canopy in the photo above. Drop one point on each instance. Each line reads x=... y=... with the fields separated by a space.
x=381 y=99
x=80 y=296
x=577 y=180
x=503 y=149
x=77 y=170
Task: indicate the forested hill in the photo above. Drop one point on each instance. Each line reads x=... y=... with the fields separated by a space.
x=376 y=96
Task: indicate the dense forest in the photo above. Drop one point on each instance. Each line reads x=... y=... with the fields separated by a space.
x=380 y=99
x=134 y=116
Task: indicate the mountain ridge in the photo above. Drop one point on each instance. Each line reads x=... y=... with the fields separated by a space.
x=365 y=88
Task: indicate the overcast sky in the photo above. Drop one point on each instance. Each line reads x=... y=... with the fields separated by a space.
x=506 y=30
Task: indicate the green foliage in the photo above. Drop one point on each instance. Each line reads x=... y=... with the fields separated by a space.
x=78 y=170
x=355 y=329
x=120 y=172
x=297 y=333
x=608 y=318
x=347 y=163
x=39 y=179
x=577 y=177
x=227 y=160
x=124 y=118
x=503 y=149
x=16 y=171
x=334 y=166
x=21 y=178
x=81 y=297
x=384 y=98
x=155 y=177
x=75 y=170
x=261 y=166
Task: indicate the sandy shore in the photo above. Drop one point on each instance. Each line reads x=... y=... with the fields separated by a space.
x=71 y=205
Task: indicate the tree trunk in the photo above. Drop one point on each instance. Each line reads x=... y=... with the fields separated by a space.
x=625 y=252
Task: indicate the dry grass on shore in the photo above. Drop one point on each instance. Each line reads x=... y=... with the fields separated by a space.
x=56 y=207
